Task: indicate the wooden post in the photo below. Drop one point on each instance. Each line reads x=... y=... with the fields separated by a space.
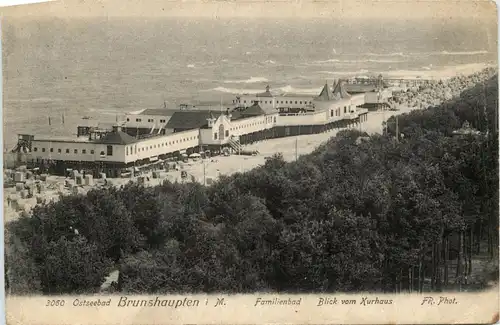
x=446 y=261
x=397 y=128
x=420 y=274
x=471 y=236
x=296 y=144
x=204 y=173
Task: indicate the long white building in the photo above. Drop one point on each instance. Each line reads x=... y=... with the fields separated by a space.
x=147 y=136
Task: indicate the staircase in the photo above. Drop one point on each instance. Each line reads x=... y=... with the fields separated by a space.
x=235 y=144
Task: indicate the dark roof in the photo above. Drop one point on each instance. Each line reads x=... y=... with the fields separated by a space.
x=253 y=110
x=191 y=119
x=339 y=91
x=324 y=94
x=116 y=137
x=161 y=112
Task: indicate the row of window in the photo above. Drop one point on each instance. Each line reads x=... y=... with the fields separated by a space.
x=268 y=120
x=337 y=111
x=109 y=151
x=129 y=151
x=282 y=102
x=149 y=120
x=84 y=151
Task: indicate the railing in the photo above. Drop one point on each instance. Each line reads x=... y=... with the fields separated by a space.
x=235 y=143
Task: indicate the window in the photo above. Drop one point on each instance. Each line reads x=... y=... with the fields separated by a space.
x=227 y=133
x=345 y=109
x=128 y=120
x=102 y=153
x=162 y=121
x=150 y=120
x=300 y=102
x=67 y=150
x=244 y=101
x=92 y=151
x=295 y=102
x=59 y=150
x=275 y=119
x=286 y=101
x=331 y=113
x=84 y=151
x=215 y=136
x=75 y=151
x=43 y=149
x=35 y=149
x=138 y=120
x=109 y=150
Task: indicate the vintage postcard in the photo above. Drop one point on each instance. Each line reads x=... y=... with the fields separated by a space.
x=251 y=162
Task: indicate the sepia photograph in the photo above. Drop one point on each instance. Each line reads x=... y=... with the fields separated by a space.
x=276 y=149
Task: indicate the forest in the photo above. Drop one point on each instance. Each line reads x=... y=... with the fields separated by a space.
x=373 y=213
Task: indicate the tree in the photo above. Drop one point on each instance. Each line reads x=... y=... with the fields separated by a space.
x=73 y=266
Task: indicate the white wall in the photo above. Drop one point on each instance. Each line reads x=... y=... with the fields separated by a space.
x=276 y=102
x=146 y=121
x=145 y=148
x=93 y=151
x=207 y=136
x=289 y=101
x=156 y=146
x=252 y=124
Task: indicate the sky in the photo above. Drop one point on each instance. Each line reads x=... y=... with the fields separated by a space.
x=478 y=10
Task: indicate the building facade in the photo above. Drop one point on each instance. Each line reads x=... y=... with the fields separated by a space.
x=186 y=131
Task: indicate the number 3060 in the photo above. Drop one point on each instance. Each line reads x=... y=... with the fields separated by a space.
x=55 y=303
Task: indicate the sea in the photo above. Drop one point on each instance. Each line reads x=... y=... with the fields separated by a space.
x=101 y=68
